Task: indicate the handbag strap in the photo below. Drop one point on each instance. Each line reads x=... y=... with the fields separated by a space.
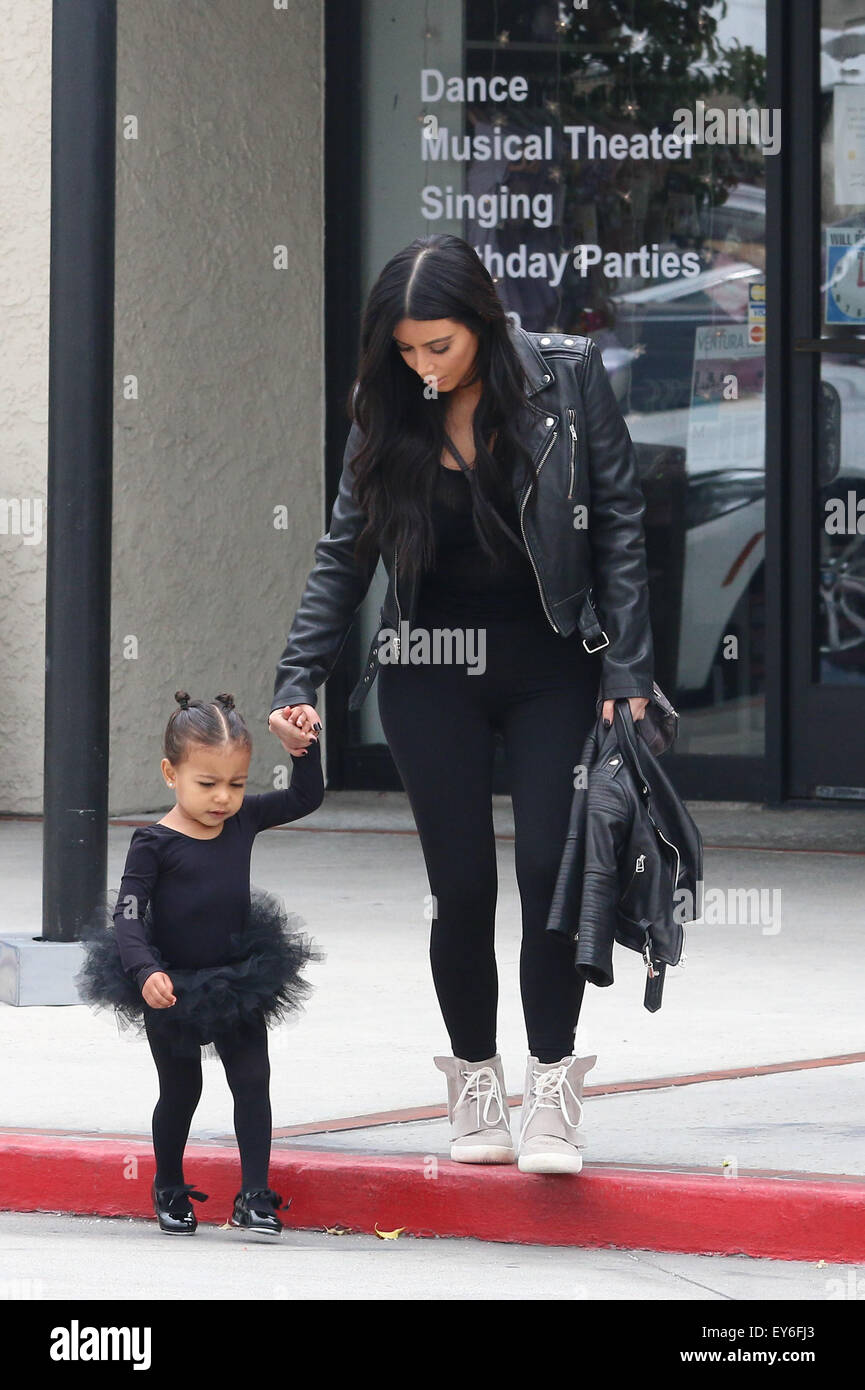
x=486 y=506
x=587 y=621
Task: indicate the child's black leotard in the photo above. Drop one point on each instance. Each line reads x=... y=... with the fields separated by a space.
x=185 y=908
x=198 y=890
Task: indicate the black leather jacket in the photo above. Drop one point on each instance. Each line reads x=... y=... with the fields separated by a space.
x=632 y=866
x=591 y=578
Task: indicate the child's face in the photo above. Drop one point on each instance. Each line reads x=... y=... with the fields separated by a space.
x=210 y=782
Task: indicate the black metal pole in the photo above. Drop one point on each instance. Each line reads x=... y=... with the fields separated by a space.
x=80 y=412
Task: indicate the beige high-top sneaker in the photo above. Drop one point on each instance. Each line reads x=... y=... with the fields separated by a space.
x=551 y=1116
x=477 y=1110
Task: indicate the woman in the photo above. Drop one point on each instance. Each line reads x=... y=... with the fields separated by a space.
x=553 y=616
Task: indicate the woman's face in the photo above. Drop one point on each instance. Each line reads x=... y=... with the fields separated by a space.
x=441 y=351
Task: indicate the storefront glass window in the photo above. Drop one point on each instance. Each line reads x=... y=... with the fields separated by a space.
x=839 y=557
x=590 y=156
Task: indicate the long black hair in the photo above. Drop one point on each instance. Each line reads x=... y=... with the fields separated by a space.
x=434 y=277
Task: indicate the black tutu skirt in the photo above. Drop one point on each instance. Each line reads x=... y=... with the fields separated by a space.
x=261 y=980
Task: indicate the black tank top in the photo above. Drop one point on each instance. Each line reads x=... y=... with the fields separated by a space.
x=464 y=582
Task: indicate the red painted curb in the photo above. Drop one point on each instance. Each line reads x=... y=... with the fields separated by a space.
x=634 y=1209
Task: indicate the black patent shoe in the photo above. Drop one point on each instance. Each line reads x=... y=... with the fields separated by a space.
x=174 y=1209
x=256 y=1211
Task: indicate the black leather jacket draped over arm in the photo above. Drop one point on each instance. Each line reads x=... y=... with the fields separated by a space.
x=334 y=591
x=616 y=538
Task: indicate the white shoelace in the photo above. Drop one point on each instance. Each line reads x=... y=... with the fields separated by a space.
x=548 y=1093
x=483 y=1085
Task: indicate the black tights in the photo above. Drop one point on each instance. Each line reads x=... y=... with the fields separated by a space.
x=538 y=693
x=247 y=1069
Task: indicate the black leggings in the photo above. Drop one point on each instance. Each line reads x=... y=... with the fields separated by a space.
x=538 y=693
x=247 y=1069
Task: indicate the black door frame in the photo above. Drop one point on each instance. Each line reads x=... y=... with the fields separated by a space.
x=816 y=712
x=342 y=312
x=790 y=29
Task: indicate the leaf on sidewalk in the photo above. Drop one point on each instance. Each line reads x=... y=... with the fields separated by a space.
x=389 y=1235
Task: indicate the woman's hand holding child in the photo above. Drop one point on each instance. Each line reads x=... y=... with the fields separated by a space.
x=296 y=727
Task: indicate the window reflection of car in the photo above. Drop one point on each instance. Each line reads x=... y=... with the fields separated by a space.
x=657 y=325
x=704 y=523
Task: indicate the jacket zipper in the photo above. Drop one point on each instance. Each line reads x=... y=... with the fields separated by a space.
x=639 y=868
x=664 y=838
x=398 y=609
x=672 y=847
x=525 y=537
x=571 y=415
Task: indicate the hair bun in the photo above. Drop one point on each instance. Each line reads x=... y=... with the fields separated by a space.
x=182 y=698
x=226 y=700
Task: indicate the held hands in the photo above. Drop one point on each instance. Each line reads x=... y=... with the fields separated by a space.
x=296 y=727
x=158 y=991
x=638 y=704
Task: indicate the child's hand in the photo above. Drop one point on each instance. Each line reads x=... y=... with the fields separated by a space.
x=158 y=991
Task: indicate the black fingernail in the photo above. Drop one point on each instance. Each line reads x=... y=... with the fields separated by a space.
x=317 y=728
x=606 y=723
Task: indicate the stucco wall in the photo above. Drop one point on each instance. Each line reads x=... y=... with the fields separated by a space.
x=25 y=186
x=227 y=352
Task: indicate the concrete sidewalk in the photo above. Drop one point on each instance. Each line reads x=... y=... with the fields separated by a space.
x=773 y=994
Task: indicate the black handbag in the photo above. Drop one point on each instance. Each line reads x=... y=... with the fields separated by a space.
x=659 y=725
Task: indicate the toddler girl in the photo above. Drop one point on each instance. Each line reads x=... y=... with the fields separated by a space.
x=198 y=959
